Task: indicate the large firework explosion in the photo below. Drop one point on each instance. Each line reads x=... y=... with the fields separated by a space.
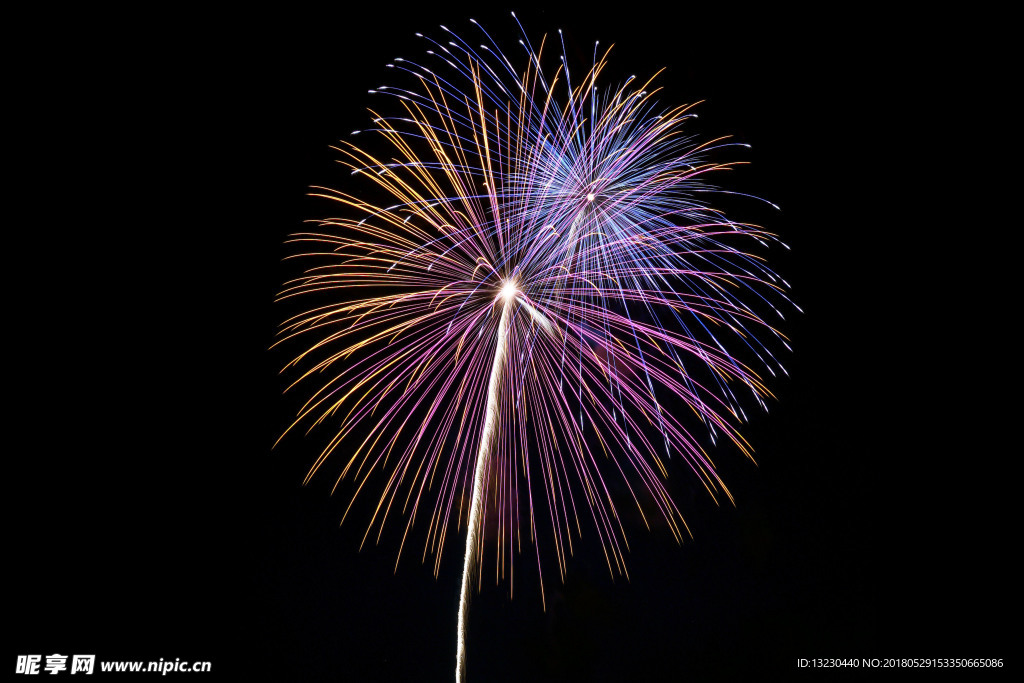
x=543 y=311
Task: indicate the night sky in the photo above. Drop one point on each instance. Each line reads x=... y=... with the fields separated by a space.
x=164 y=163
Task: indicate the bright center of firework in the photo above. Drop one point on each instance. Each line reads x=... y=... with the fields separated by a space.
x=509 y=290
x=590 y=197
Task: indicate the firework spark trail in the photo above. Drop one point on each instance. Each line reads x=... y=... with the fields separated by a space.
x=633 y=303
x=483 y=461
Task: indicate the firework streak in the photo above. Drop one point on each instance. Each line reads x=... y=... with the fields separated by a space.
x=536 y=316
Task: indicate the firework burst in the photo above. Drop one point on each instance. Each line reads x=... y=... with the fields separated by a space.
x=515 y=331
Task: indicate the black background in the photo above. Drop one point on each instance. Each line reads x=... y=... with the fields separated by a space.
x=163 y=158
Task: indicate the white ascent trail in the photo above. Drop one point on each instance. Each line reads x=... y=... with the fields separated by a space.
x=508 y=293
x=482 y=460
